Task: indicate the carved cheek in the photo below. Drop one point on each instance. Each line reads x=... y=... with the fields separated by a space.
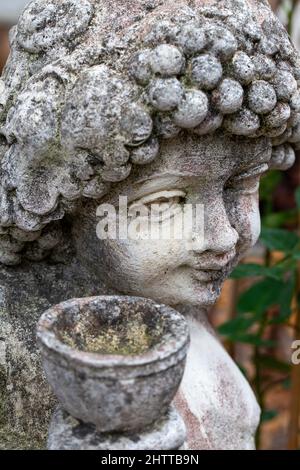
x=245 y=217
x=254 y=220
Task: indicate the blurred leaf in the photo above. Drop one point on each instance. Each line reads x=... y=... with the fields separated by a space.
x=248 y=270
x=267 y=415
x=268 y=184
x=254 y=270
x=287 y=383
x=270 y=362
x=297 y=197
x=249 y=338
x=284 y=300
x=287 y=265
x=259 y=297
x=296 y=255
x=278 y=219
x=279 y=239
x=268 y=293
x=236 y=325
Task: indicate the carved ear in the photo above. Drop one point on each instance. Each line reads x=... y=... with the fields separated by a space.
x=283 y=157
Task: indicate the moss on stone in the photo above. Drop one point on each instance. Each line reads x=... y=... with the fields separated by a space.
x=123 y=338
x=11 y=440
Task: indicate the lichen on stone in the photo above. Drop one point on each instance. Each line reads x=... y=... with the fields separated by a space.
x=129 y=337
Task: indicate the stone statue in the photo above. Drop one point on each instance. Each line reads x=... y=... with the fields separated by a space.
x=162 y=102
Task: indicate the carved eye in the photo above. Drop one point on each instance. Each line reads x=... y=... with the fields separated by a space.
x=248 y=181
x=159 y=206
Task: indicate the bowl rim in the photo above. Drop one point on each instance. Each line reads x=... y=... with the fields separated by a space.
x=159 y=353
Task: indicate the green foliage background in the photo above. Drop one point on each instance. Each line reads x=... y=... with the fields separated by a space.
x=268 y=301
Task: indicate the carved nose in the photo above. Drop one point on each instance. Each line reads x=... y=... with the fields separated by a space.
x=219 y=235
x=221 y=239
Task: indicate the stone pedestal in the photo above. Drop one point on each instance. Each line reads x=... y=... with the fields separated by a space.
x=67 y=433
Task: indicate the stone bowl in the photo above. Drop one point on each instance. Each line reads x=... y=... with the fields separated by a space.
x=115 y=362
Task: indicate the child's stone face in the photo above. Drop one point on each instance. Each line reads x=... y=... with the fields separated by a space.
x=220 y=173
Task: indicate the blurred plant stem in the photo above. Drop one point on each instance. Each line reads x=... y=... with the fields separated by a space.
x=258 y=378
x=290 y=16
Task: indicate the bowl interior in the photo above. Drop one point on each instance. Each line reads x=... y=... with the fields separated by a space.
x=110 y=327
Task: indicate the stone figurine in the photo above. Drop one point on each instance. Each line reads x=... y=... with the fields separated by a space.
x=162 y=102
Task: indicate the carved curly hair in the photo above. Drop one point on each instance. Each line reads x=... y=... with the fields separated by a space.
x=79 y=107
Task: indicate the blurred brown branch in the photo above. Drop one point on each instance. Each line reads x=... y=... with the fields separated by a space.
x=4 y=46
x=274 y=4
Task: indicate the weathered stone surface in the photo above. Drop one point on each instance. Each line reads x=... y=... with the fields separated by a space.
x=26 y=399
x=45 y=23
x=77 y=116
x=67 y=433
x=229 y=96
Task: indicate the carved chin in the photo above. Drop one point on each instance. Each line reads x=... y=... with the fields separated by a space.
x=199 y=294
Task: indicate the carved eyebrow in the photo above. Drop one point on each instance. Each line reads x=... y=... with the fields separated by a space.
x=186 y=174
x=266 y=151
